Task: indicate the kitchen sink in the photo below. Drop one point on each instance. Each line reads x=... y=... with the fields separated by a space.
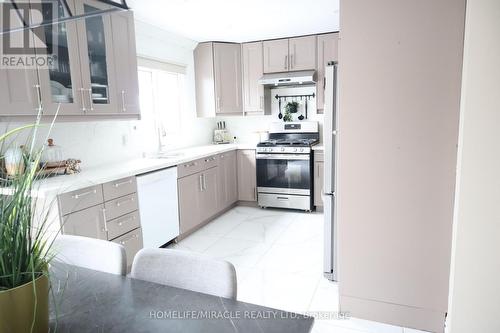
x=168 y=155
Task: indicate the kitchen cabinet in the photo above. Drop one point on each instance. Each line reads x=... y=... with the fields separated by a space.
x=247 y=178
x=107 y=211
x=90 y=222
x=95 y=42
x=218 y=79
x=189 y=192
x=293 y=54
x=252 y=67
x=132 y=242
x=227 y=180
x=18 y=87
x=209 y=194
x=318 y=178
x=227 y=71
x=327 y=51
x=276 y=56
x=125 y=59
x=94 y=72
x=302 y=53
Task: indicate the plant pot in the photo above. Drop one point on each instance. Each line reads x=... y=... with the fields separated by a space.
x=19 y=309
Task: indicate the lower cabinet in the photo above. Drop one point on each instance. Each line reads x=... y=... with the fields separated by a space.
x=107 y=211
x=132 y=242
x=198 y=196
x=89 y=222
x=318 y=178
x=247 y=175
x=227 y=177
x=189 y=192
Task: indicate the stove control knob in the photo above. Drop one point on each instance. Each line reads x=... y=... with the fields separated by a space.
x=282 y=149
x=301 y=149
x=295 y=149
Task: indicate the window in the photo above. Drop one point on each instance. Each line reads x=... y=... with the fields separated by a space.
x=162 y=94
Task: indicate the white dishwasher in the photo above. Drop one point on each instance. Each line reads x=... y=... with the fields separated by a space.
x=158 y=206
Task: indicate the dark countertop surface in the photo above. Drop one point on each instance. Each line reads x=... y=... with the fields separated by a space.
x=91 y=301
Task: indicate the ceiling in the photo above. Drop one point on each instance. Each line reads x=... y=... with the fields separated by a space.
x=239 y=20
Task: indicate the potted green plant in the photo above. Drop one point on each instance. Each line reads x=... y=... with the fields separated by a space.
x=25 y=251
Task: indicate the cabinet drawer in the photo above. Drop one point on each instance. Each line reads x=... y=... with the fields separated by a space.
x=189 y=168
x=80 y=199
x=87 y=223
x=121 y=206
x=132 y=242
x=226 y=155
x=119 y=188
x=209 y=162
x=123 y=224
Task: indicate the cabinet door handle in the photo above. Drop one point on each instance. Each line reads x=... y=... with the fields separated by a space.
x=204 y=182
x=286 y=62
x=82 y=92
x=218 y=103
x=200 y=181
x=123 y=101
x=81 y=195
x=91 y=100
x=38 y=96
x=122 y=183
x=262 y=102
x=103 y=211
x=292 y=62
x=255 y=193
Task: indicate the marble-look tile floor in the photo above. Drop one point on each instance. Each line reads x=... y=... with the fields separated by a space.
x=278 y=255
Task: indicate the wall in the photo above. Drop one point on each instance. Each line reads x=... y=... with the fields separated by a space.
x=246 y=128
x=475 y=276
x=400 y=81
x=101 y=142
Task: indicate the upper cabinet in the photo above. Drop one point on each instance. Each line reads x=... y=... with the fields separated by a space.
x=19 y=94
x=127 y=81
x=276 y=56
x=97 y=59
x=292 y=54
x=218 y=79
x=327 y=51
x=93 y=72
x=302 y=52
x=253 y=91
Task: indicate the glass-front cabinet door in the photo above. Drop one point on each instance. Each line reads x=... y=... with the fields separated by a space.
x=96 y=57
x=60 y=79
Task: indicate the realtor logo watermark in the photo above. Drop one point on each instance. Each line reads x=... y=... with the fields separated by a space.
x=28 y=48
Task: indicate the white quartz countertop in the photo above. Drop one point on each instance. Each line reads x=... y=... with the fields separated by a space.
x=110 y=172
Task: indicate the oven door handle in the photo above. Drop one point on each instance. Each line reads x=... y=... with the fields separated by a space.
x=302 y=157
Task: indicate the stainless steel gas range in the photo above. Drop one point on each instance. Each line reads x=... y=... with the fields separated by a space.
x=285 y=166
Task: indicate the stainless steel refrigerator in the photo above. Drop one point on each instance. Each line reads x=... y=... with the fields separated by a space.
x=329 y=186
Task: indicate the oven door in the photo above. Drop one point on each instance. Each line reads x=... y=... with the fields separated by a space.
x=284 y=173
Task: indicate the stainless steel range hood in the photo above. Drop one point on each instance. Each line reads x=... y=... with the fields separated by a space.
x=289 y=78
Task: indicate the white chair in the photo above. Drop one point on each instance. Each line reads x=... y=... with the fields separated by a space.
x=91 y=253
x=185 y=270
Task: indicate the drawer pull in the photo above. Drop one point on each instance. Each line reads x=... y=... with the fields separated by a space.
x=125 y=241
x=210 y=159
x=119 y=203
x=130 y=219
x=122 y=183
x=105 y=220
x=190 y=165
x=81 y=195
x=282 y=198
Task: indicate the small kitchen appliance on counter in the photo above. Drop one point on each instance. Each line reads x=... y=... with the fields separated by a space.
x=221 y=134
x=285 y=165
